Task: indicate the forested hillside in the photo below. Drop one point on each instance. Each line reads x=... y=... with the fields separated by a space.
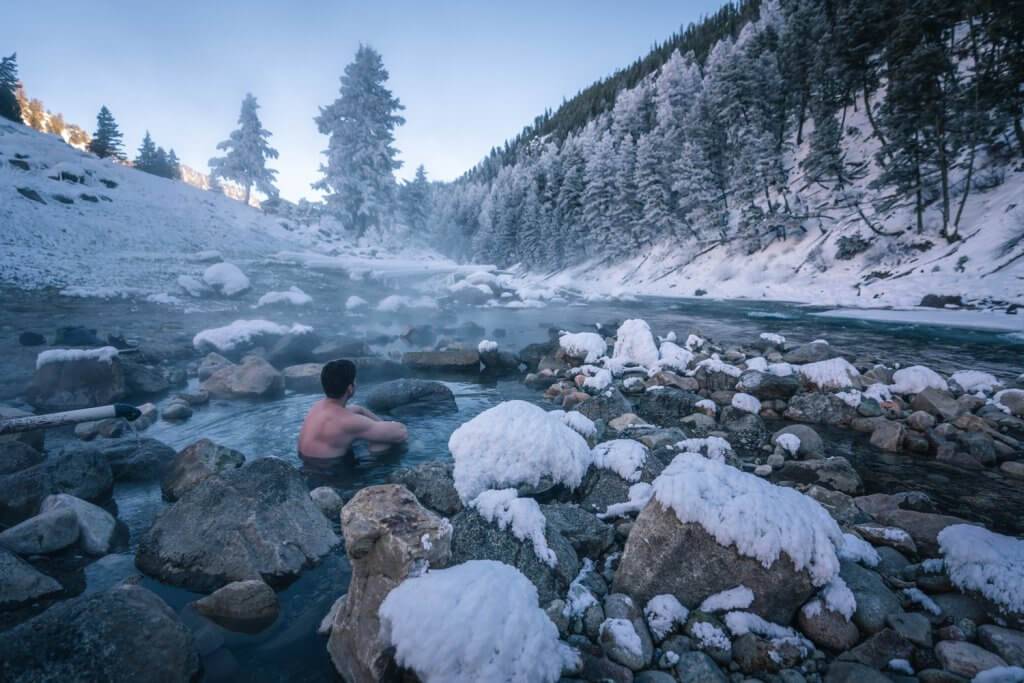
x=868 y=129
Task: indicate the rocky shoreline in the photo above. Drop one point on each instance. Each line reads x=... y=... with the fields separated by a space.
x=657 y=523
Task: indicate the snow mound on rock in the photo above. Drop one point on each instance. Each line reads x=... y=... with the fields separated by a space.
x=987 y=562
x=663 y=612
x=515 y=443
x=487 y=346
x=522 y=516
x=229 y=337
x=226 y=278
x=476 y=621
x=624 y=457
x=973 y=381
x=354 y=302
x=746 y=403
x=739 y=597
x=834 y=373
x=714 y=447
x=762 y=520
x=915 y=379
x=634 y=343
x=674 y=357
x=293 y=295
x=856 y=549
x=589 y=346
x=104 y=354
x=579 y=422
x=397 y=302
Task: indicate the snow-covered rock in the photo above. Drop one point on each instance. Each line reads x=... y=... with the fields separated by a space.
x=834 y=373
x=397 y=302
x=242 y=333
x=746 y=403
x=625 y=457
x=522 y=516
x=293 y=295
x=664 y=612
x=226 y=278
x=974 y=381
x=915 y=379
x=104 y=354
x=585 y=346
x=516 y=443
x=674 y=357
x=476 y=621
x=487 y=346
x=991 y=564
x=634 y=344
x=354 y=303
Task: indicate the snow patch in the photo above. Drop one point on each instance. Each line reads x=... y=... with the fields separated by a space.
x=624 y=457
x=987 y=562
x=226 y=278
x=739 y=597
x=293 y=295
x=241 y=332
x=663 y=612
x=104 y=354
x=746 y=403
x=834 y=373
x=520 y=515
x=634 y=344
x=915 y=379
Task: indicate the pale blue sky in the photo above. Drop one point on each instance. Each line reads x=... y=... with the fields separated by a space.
x=470 y=74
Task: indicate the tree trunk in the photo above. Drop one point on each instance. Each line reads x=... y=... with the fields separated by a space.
x=248 y=193
x=874 y=125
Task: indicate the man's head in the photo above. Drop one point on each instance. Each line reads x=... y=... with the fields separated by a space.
x=338 y=379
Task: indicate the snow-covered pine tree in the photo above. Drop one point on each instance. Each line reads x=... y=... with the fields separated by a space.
x=9 y=107
x=147 y=159
x=361 y=159
x=599 y=195
x=416 y=203
x=106 y=141
x=247 y=153
x=626 y=206
x=653 y=192
x=173 y=166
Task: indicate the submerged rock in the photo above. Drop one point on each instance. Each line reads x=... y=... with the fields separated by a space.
x=818 y=408
x=247 y=606
x=411 y=397
x=126 y=633
x=96 y=526
x=253 y=378
x=47 y=532
x=82 y=472
x=194 y=464
x=21 y=583
x=303 y=378
x=254 y=522
x=388 y=536
x=433 y=484
x=137 y=459
x=835 y=473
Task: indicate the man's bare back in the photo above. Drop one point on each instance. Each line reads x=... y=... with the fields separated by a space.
x=332 y=424
x=331 y=427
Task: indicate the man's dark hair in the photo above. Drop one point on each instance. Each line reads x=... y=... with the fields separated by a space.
x=336 y=377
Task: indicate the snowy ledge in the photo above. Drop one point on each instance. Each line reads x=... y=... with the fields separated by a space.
x=978 y=320
x=104 y=354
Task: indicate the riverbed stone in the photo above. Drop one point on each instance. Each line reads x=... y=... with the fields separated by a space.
x=35 y=439
x=966 y=659
x=913 y=626
x=21 y=583
x=828 y=629
x=886 y=535
x=840 y=671
x=126 y=633
x=252 y=378
x=601 y=487
x=819 y=408
x=303 y=378
x=835 y=473
x=1007 y=643
x=401 y=397
x=134 y=459
x=254 y=522
x=923 y=527
x=248 y=606
x=888 y=436
x=328 y=500
x=474 y=538
x=211 y=363
x=433 y=484
x=607 y=405
x=880 y=649
x=937 y=402
x=293 y=348
x=664 y=555
x=811 y=352
x=142 y=379
x=195 y=463
x=587 y=534
x=16 y=456
x=384 y=527
x=178 y=410
x=874 y=599
x=812 y=447
x=766 y=386
x=665 y=407
x=698 y=667
x=96 y=526
x=44 y=533
x=81 y=471
x=73 y=384
x=451 y=360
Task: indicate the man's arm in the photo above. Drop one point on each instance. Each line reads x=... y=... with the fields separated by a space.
x=380 y=431
x=365 y=412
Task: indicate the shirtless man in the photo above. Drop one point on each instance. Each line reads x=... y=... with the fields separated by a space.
x=332 y=425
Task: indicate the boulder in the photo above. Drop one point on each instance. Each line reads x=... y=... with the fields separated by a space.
x=587 y=534
x=304 y=378
x=339 y=347
x=293 y=348
x=45 y=533
x=819 y=408
x=29 y=338
x=384 y=529
x=76 y=335
x=888 y=435
x=828 y=629
x=143 y=379
x=196 y=463
x=746 y=431
x=328 y=500
x=16 y=456
x=875 y=601
x=811 y=444
x=923 y=527
x=253 y=378
x=474 y=538
x=411 y=397
x=601 y=487
x=78 y=383
x=966 y=659
x=376 y=368
x=880 y=649
x=433 y=484
x=698 y=667
x=126 y=633
x=937 y=402
x=254 y=522
x=754 y=654
x=665 y=406
x=607 y=405
x=96 y=526
x=210 y=364
x=810 y=353
x=663 y=555
x=137 y=459
x=248 y=606
x=452 y=360
x=835 y=473
x=82 y=472
x=34 y=439
x=913 y=626
x=1007 y=643
x=766 y=386
x=177 y=411
x=852 y=672
x=21 y=583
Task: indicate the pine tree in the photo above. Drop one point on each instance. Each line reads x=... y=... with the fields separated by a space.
x=361 y=159
x=653 y=192
x=247 y=154
x=147 y=159
x=9 y=106
x=416 y=202
x=106 y=141
x=173 y=166
x=599 y=194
